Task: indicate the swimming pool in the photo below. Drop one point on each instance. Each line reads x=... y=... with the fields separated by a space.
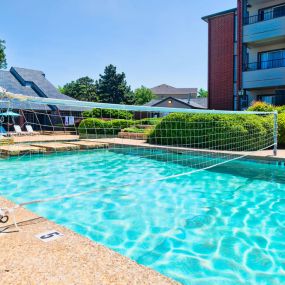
x=221 y=226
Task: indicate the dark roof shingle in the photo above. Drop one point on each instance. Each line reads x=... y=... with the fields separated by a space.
x=33 y=83
x=165 y=89
x=196 y=103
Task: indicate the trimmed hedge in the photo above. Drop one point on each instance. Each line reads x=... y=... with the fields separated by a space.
x=108 y=113
x=220 y=132
x=263 y=107
x=134 y=130
x=98 y=126
x=281 y=129
x=149 y=121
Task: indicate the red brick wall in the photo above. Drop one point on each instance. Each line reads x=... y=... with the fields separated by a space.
x=221 y=62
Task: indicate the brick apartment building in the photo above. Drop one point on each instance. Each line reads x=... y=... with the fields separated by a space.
x=247 y=55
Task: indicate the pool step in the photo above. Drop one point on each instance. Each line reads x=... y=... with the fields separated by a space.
x=84 y=144
x=6 y=141
x=35 y=148
x=56 y=146
x=19 y=149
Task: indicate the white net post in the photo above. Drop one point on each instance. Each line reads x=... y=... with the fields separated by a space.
x=275 y=133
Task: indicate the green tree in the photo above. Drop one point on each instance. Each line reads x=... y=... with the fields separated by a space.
x=202 y=93
x=112 y=87
x=83 y=89
x=143 y=95
x=3 y=61
x=60 y=89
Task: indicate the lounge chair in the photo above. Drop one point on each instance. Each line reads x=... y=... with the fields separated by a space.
x=19 y=131
x=3 y=132
x=31 y=131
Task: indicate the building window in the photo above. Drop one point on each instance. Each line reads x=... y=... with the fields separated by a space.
x=277 y=100
x=272 y=59
x=272 y=12
x=266 y=14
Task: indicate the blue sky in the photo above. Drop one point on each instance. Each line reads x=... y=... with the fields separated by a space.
x=152 y=41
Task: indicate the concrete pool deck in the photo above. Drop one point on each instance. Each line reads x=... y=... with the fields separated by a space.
x=55 y=146
x=45 y=138
x=263 y=154
x=53 y=143
x=70 y=259
x=82 y=144
x=18 y=149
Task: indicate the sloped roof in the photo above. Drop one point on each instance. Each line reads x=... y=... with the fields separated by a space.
x=200 y=103
x=31 y=83
x=165 y=89
x=194 y=104
x=206 y=18
x=11 y=84
x=153 y=102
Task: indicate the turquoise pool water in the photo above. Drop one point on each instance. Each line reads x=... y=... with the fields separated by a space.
x=223 y=226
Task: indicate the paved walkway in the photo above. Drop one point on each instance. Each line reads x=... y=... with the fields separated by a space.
x=264 y=154
x=44 y=138
x=71 y=259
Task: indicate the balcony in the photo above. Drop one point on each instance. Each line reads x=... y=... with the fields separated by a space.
x=269 y=64
x=265 y=26
x=262 y=17
x=264 y=74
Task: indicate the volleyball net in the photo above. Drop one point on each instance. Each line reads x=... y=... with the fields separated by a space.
x=181 y=141
x=210 y=134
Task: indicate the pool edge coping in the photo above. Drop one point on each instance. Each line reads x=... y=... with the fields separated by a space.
x=32 y=260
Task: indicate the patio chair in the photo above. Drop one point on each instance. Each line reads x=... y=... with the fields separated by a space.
x=3 y=132
x=31 y=131
x=19 y=131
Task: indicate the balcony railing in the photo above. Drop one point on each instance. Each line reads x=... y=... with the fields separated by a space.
x=260 y=65
x=264 y=16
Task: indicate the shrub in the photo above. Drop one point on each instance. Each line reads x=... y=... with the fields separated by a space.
x=118 y=125
x=149 y=121
x=281 y=109
x=261 y=107
x=264 y=107
x=108 y=113
x=134 y=130
x=221 y=132
x=98 y=126
x=281 y=129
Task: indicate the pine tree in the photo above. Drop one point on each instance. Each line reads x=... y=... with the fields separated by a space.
x=112 y=87
x=83 y=89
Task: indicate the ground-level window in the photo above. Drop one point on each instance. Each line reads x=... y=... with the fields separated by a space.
x=244 y=102
x=277 y=100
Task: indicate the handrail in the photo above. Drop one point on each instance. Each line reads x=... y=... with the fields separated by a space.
x=261 y=17
x=269 y=64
